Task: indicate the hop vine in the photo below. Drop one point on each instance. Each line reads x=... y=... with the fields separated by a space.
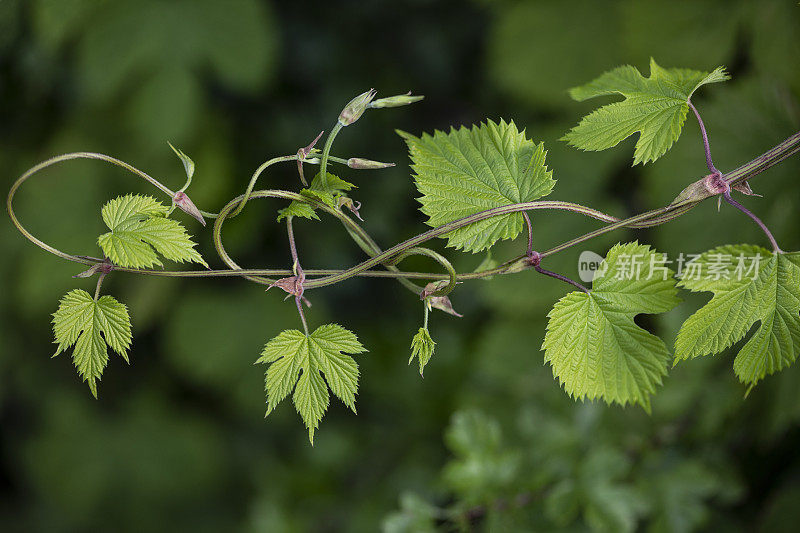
x=478 y=185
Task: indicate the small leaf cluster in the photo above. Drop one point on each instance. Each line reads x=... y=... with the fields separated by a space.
x=330 y=192
x=139 y=232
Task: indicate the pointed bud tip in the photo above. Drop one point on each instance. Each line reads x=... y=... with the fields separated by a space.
x=396 y=101
x=185 y=204
x=443 y=303
x=356 y=107
x=367 y=164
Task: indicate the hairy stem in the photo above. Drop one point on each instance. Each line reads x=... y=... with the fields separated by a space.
x=768 y=159
x=264 y=166
x=326 y=150
x=651 y=218
x=775 y=248
x=439 y=258
x=565 y=279
x=483 y=215
x=292 y=245
x=535 y=260
x=298 y=272
x=706 y=146
x=529 y=251
x=100 y=279
x=59 y=159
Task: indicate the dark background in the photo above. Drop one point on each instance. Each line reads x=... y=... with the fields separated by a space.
x=487 y=441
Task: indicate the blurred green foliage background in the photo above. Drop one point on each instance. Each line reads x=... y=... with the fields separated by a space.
x=487 y=441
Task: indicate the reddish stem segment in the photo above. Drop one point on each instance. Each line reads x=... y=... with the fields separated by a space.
x=775 y=248
x=299 y=274
x=706 y=145
x=717 y=182
x=535 y=259
x=565 y=279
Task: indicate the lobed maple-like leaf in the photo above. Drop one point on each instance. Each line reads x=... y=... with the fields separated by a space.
x=750 y=285
x=298 y=362
x=422 y=347
x=655 y=107
x=140 y=230
x=594 y=346
x=467 y=171
x=91 y=325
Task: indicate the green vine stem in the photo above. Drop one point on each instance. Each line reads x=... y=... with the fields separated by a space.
x=326 y=149
x=250 y=186
x=439 y=258
x=690 y=197
x=100 y=279
x=650 y=218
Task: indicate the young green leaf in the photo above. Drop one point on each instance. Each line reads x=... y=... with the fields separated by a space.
x=595 y=348
x=139 y=229
x=298 y=210
x=750 y=285
x=422 y=347
x=328 y=193
x=471 y=170
x=299 y=361
x=91 y=326
x=655 y=107
x=188 y=164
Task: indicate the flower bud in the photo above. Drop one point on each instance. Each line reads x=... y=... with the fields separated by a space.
x=432 y=288
x=356 y=107
x=443 y=303
x=365 y=164
x=186 y=205
x=432 y=300
x=396 y=101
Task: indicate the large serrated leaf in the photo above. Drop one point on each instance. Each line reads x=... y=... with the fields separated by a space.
x=299 y=361
x=594 y=346
x=91 y=326
x=467 y=171
x=750 y=285
x=140 y=231
x=655 y=107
